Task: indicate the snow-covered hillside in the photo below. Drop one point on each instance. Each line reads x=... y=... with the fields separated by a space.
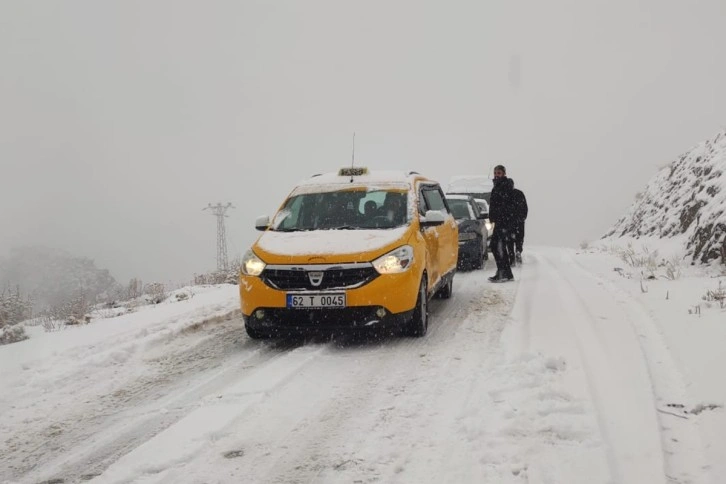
x=687 y=201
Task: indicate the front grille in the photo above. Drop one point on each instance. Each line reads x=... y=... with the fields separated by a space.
x=333 y=278
x=320 y=318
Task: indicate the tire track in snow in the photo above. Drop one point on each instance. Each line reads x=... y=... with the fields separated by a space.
x=629 y=454
x=316 y=424
x=120 y=421
x=542 y=428
x=528 y=287
x=680 y=439
x=383 y=374
x=415 y=437
x=621 y=378
x=282 y=378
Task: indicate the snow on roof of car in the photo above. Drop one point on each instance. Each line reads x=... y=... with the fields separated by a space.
x=456 y=196
x=370 y=180
x=470 y=183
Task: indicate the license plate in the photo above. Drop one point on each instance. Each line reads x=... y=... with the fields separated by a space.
x=334 y=300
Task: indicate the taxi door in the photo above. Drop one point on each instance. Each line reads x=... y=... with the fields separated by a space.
x=439 y=239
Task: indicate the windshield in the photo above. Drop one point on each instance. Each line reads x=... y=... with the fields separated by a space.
x=460 y=209
x=343 y=210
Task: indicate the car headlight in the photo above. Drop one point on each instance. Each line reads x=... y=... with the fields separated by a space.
x=489 y=226
x=467 y=236
x=398 y=260
x=251 y=264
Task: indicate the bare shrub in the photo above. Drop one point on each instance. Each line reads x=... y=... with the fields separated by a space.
x=718 y=295
x=672 y=268
x=50 y=324
x=107 y=313
x=134 y=289
x=12 y=334
x=14 y=307
x=155 y=292
x=216 y=277
x=75 y=321
x=72 y=311
x=647 y=259
x=230 y=276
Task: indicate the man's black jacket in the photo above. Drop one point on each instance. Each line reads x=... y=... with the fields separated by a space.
x=502 y=211
x=519 y=201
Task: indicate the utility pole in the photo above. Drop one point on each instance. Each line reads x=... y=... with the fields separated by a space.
x=220 y=211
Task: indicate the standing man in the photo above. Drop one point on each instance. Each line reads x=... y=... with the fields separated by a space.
x=502 y=215
x=520 y=210
x=519 y=204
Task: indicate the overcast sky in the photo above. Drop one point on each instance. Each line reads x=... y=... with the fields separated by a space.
x=121 y=120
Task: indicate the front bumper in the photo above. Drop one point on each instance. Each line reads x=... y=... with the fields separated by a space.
x=396 y=294
x=283 y=321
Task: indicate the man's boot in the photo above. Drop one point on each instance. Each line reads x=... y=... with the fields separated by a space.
x=496 y=277
x=507 y=276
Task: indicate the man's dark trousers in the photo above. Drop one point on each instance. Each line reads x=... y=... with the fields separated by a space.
x=519 y=239
x=515 y=242
x=500 y=249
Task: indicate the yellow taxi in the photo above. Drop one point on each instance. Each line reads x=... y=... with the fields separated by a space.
x=356 y=249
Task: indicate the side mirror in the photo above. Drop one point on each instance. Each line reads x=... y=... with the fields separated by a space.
x=483 y=216
x=432 y=218
x=262 y=222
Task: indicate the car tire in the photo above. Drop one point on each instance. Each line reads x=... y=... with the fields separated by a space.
x=419 y=323
x=479 y=262
x=447 y=289
x=255 y=333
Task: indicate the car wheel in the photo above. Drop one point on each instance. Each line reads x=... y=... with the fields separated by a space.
x=419 y=323
x=447 y=289
x=255 y=333
x=479 y=262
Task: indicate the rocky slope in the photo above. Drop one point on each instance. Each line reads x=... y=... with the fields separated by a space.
x=686 y=198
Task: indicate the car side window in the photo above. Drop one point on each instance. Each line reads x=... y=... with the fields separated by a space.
x=474 y=208
x=290 y=215
x=433 y=199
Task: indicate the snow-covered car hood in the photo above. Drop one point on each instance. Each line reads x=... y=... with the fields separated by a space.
x=328 y=246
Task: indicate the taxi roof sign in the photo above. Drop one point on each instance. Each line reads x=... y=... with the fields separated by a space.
x=353 y=171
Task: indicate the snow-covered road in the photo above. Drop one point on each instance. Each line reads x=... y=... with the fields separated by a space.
x=560 y=377
x=618 y=361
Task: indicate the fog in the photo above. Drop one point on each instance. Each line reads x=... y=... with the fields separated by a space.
x=121 y=121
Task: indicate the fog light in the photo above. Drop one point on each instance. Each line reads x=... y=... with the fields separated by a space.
x=259 y=314
x=380 y=312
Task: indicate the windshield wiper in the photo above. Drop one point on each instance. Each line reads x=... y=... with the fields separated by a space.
x=345 y=227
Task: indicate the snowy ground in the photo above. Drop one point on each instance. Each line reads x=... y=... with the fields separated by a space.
x=575 y=373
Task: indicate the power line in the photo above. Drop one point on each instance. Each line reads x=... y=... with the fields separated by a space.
x=220 y=211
